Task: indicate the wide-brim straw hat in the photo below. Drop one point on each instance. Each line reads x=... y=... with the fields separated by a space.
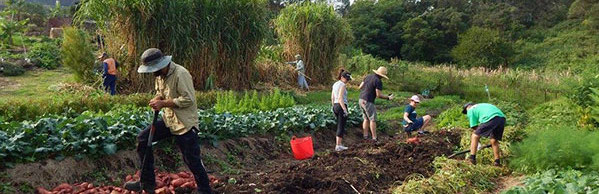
x=153 y=60
x=381 y=71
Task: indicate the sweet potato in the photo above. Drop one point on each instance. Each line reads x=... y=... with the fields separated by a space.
x=174 y=176
x=159 y=184
x=188 y=185
x=41 y=190
x=115 y=192
x=178 y=182
x=183 y=175
x=161 y=190
x=62 y=186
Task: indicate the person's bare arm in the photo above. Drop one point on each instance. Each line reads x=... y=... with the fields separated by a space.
x=380 y=94
x=361 y=85
x=340 y=99
x=332 y=98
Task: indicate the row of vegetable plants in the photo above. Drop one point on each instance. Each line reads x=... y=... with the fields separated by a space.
x=94 y=134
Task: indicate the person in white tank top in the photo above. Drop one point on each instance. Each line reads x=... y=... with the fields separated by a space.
x=339 y=105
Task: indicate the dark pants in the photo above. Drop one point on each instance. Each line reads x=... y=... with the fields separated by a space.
x=493 y=128
x=110 y=84
x=341 y=119
x=189 y=145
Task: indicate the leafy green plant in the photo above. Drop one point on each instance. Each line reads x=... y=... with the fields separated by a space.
x=453 y=176
x=453 y=117
x=561 y=147
x=481 y=47
x=44 y=55
x=100 y=133
x=553 y=181
x=250 y=102
x=554 y=113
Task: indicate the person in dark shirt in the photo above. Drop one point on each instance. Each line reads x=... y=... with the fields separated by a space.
x=370 y=89
x=410 y=120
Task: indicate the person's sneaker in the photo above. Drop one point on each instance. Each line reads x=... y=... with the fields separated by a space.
x=340 y=148
x=137 y=187
x=365 y=137
x=472 y=159
x=423 y=132
x=497 y=163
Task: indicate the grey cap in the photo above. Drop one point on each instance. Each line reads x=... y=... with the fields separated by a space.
x=153 y=60
x=465 y=108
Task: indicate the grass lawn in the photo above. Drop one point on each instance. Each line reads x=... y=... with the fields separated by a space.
x=33 y=83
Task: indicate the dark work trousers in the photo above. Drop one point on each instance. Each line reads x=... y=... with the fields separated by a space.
x=110 y=84
x=189 y=145
x=341 y=119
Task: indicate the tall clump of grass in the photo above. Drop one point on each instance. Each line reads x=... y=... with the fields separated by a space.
x=316 y=32
x=208 y=37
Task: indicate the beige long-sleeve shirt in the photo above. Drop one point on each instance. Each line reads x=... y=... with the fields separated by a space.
x=178 y=86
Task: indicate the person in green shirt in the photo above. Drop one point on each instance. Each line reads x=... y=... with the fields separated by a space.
x=488 y=121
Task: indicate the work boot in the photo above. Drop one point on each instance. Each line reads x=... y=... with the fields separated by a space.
x=472 y=159
x=497 y=163
x=137 y=187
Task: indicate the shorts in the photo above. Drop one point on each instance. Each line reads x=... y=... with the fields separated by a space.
x=493 y=128
x=417 y=124
x=368 y=110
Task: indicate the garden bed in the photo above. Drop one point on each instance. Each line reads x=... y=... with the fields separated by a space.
x=367 y=166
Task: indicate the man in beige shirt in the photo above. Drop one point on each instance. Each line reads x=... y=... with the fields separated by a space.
x=175 y=95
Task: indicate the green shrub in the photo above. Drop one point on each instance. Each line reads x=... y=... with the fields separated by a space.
x=453 y=176
x=481 y=47
x=250 y=102
x=552 y=181
x=9 y=69
x=78 y=54
x=45 y=54
x=554 y=113
x=562 y=147
x=452 y=118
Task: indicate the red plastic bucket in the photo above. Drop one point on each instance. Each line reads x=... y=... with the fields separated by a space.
x=302 y=148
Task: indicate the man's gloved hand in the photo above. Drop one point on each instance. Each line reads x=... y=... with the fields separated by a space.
x=391 y=97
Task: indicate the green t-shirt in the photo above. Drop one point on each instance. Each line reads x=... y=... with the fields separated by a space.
x=482 y=113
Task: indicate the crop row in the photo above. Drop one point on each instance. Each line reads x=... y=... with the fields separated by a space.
x=96 y=133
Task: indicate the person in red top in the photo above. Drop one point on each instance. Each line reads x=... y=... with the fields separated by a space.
x=110 y=73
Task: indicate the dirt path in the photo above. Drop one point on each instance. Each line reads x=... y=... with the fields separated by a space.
x=508 y=182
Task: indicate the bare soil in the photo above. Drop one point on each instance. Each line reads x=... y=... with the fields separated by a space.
x=263 y=164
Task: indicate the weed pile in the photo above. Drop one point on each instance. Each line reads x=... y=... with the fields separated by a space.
x=465 y=178
x=367 y=167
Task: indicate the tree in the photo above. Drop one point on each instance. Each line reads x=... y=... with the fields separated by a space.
x=420 y=40
x=499 y=16
x=481 y=47
x=377 y=27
